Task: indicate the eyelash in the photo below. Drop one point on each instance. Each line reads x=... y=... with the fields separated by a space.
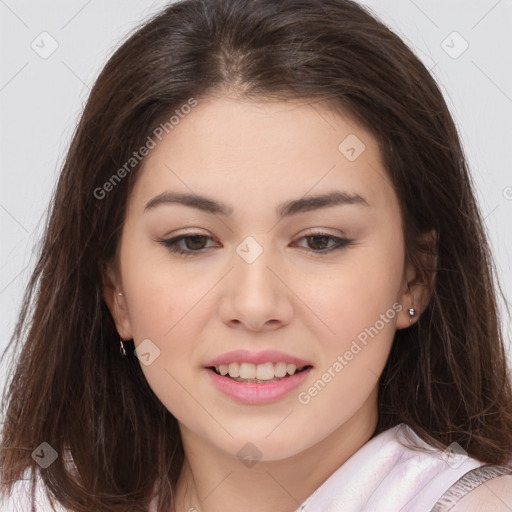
x=171 y=243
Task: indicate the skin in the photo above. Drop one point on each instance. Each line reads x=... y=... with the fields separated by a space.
x=253 y=156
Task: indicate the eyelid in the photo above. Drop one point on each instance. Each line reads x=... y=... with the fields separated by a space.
x=308 y=232
x=322 y=231
x=342 y=242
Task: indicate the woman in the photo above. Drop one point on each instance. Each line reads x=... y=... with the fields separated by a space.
x=264 y=256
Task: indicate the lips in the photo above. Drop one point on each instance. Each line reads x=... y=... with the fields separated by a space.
x=256 y=392
x=253 y=378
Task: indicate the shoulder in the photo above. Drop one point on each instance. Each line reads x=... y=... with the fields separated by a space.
x=18 y=500
x=495 y=495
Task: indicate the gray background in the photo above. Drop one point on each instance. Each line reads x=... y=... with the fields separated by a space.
x=41 y=97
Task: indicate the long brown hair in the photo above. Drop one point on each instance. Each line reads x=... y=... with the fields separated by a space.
x=446 y=375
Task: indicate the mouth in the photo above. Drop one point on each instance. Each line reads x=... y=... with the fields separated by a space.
x=249 y=373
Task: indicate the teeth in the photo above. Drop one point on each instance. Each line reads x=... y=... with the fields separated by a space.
x=234 y=370
x=266 y=371
x=280 y=369
x=247 y=371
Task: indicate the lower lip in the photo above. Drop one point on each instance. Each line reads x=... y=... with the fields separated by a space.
x=251 y=393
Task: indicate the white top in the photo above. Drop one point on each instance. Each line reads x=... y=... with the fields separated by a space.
x=383 y=475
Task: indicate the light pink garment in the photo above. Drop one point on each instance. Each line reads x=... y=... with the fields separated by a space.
x=382 y=476
x=385 y=476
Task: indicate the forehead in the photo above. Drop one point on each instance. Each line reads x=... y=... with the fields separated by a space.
x=246 y=153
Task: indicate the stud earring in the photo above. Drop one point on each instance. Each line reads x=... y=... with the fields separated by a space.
x=412 y=312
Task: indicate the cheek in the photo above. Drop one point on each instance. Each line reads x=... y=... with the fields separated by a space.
x=359 y=304
x=166 y=304
x=352 y=295
x=159 y=291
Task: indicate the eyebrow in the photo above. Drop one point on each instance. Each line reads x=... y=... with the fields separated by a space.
x=293 y=207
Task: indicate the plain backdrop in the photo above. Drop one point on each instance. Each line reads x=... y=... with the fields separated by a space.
x=51 y=53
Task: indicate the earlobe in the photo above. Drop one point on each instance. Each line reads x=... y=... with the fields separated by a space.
x=116 y=301
x=419 y=281
x=414 y=301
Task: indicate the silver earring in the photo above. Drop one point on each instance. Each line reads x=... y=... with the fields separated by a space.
x=412 y=312
x=121 y=348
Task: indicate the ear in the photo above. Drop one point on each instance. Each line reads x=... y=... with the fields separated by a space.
x=116 y=300
x=419 y=279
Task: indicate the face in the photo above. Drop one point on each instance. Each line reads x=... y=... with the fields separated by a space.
x=265 y=270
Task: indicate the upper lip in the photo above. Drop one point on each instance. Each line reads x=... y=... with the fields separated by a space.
x=262 y=357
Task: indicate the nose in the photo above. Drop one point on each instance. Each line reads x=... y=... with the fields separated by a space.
x=256 y=295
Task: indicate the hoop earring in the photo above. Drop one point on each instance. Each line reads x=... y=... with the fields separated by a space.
x=121 y=347
x=121 y=344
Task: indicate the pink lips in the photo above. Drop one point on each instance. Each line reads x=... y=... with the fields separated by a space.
x=262 y=357
x=253 y=393
x=257 y=393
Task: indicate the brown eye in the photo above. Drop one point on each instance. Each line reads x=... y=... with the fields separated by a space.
x=318 y=243
x=194 y=243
